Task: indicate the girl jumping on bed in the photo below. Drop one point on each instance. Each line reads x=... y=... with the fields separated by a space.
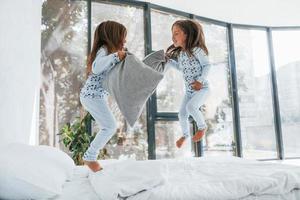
x=188 y=54
x=107 y=51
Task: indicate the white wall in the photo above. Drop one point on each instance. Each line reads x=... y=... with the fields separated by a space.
x=254 y=12
x=20 y=39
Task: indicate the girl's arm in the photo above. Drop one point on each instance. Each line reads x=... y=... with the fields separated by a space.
x=103 y=61
x=171 y=63
x=204 y=62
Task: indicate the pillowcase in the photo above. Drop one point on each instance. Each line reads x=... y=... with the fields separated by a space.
x=33 y=172
x=131 y=83
x=156 y=60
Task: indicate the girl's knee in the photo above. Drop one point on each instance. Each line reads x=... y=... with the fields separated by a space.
x=111 y=126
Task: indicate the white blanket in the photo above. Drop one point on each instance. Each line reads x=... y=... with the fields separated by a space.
x=126 y=178
x=223 y=179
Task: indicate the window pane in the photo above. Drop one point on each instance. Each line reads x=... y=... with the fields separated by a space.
x=63 y=57
x=166 y=135
x=131 y=17
x=255 y=93
x=128 y=142
x=287 y=61
x=218 y=108
x=170 y=89
x=219 y=139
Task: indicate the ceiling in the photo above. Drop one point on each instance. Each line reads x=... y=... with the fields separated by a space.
x=251 y=12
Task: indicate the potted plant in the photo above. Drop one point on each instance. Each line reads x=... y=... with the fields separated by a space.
x=76 y=137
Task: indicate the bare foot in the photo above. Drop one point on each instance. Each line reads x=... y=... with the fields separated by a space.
x=93 y=165
x=180 y=142
x=198 y=135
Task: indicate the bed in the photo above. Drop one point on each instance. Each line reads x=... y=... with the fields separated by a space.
x=207 y=178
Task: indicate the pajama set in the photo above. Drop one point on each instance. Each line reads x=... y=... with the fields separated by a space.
x=94 y=99
x=194 y=68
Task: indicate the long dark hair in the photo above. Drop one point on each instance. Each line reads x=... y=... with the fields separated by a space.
x=110 y=34
x=194 y=38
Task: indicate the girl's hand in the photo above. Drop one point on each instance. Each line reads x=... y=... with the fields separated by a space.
x=196 y=85
x=122 y=54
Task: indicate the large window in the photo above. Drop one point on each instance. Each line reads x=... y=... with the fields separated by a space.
x=287 y=62
x=255 y=93
x=64 y=51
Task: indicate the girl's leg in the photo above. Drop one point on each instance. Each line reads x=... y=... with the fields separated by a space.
x=183 y=116
x=193 y=106
x=100 y=111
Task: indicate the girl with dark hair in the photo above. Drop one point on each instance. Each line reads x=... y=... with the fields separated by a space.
x=107 y=51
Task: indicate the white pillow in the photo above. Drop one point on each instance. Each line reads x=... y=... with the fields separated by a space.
x=33 y=172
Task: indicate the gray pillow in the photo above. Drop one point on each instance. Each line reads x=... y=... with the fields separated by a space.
x=156 y=60
x=131 y=83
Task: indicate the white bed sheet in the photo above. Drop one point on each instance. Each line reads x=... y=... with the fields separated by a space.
x=293 y=195
x=238 y=176
x=81 y=188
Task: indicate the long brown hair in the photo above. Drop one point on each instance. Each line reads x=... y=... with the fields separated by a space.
x=194 y=38
x=108 y=33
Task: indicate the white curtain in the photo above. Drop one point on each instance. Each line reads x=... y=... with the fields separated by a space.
x=20 y=39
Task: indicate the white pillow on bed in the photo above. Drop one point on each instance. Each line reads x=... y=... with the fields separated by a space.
x=33 y=172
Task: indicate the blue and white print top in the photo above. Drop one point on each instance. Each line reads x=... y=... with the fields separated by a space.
x=102 y=64
x=193 y=68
